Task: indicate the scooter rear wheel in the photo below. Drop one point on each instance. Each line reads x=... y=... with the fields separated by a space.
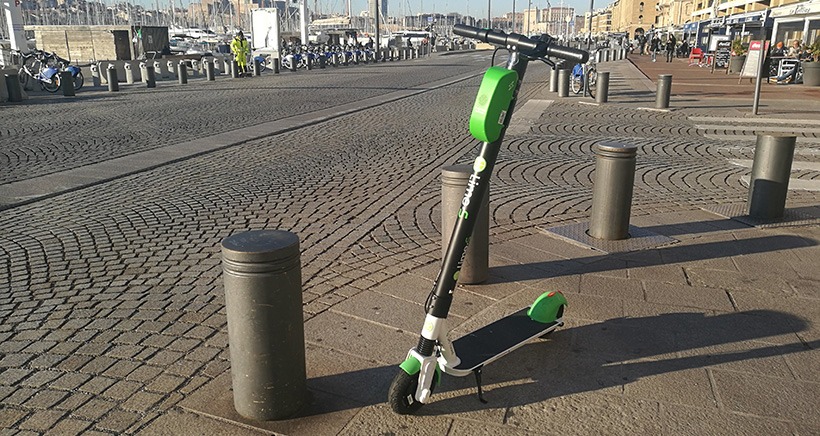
x=402 y=393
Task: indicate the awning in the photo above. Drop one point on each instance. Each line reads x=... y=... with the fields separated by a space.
x=748 y=17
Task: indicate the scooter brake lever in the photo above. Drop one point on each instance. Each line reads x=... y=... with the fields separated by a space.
x=547 y=61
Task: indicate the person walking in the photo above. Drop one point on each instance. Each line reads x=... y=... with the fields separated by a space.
x=655 y=46
x=240 y=49
x=671 y=42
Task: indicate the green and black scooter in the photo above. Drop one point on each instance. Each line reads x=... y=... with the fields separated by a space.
x=435 y=353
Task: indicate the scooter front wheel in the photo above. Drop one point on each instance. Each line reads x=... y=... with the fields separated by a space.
x=402 y=393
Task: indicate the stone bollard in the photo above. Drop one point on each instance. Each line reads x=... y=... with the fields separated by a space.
x=67 y=83
x=182 y=73
x=150 y=77
x=209 y=71
x=95 y=75
x=129 y=73
x=476 y=267
x=664 y=91
x=563 y=82
x=263 y=302
x=113 y=84
x=612 y=190
x=14 y=88
x=769 y=182
x=554 y=79
x=602 y=87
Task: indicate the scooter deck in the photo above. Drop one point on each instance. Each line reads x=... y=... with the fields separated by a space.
x=499 y=338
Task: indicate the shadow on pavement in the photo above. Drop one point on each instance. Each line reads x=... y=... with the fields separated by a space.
x=594 y=357
x=669 y=255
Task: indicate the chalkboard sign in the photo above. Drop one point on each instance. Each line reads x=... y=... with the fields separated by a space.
x=722 y=53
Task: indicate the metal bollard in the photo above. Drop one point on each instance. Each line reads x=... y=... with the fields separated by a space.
x=602 y=87
x=257 y=67
x=150 y=77
x=308 y=62
x=275 y=65
x=554 y=79
x=322 y=61
x=113 y=84
x=182 y=73
x=234 y=70
x=664 y=91
x=95 y=75
x=476 y=267
x=129 y=74
x=769 y=182
x=612 y=190
x=293 y=63
x=563 y=83
x=266 y=340
x=209 y=71
x=67 y=83
x=14 y=88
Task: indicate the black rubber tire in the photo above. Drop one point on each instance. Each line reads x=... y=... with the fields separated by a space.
x=575 y=84
x=78 y=81
x=402 y=392
x=54 y=86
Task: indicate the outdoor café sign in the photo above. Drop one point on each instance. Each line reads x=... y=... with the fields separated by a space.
x=804 y=8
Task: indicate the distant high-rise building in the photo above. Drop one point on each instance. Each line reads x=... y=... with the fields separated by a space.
x=371 y=7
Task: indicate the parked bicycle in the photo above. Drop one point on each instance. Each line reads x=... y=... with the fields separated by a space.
x=583 y=77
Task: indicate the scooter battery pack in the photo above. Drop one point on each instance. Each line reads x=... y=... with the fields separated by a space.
x=492 y=103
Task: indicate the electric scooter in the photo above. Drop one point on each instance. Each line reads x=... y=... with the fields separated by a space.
x=421 y=370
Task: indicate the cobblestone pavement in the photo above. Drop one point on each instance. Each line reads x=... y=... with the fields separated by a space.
x=114 y=313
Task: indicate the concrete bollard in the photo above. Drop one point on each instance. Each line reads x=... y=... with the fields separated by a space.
x=14 y=88
x=150 y=77
x=454 y=181
x=113 y=84
x=602 y=87
x=182 y=73
x=129 y=73
x=612 y=190
x=67 y=83
x=209 y=71
x=263 y=301
x=158 y=70
x=769 y=182
x=554 y=79
x=563 y=82
x=95 y=75
x=664 y=91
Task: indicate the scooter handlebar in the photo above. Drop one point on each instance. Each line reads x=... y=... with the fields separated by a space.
x=529 y=46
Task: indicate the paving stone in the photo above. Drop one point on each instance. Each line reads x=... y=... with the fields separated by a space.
x=763 y=396
x=691 y=296
x=69 y=426
x=41 y=421
x=8 y=416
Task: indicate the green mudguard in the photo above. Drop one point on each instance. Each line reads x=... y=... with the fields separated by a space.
x=545 y=308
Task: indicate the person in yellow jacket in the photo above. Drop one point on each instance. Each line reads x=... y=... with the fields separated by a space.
x=241 y=49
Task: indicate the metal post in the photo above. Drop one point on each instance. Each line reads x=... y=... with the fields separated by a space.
x=209 y=71
x=322 y=61
x=129 y=73
x=113 y=85
x=67 y=83
x=563 y=83
x=275 y=65
x=234 y=70
x=150 y=77
x=14 y=88
x=612 y=190
x=602 y=87
x=308 y=62
x=664 y=91
x=263 y=301
x=769 y=182
x=257 y=68
x=554 y=79
x=454 y=181
x=182 y=73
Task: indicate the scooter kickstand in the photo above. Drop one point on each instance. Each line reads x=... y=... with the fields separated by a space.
x=477 y=373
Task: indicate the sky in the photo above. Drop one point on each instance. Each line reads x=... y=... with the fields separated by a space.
x=476 y=8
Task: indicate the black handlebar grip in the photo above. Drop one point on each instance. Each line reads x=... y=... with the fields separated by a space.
x=568 y=53
x=470 y=32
